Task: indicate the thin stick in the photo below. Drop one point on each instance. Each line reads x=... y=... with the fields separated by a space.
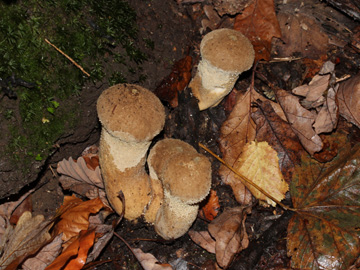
x=245 y=180
x=68 y=57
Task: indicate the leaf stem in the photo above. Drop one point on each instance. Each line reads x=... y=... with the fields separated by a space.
x=245 y=180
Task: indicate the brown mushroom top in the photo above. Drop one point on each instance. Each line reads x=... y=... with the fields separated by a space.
x=163 y=150
x=228 y=50
x=131 y=112
x=187 y=176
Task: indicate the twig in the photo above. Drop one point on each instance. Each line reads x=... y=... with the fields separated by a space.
x=245 y=180
x=68 y=57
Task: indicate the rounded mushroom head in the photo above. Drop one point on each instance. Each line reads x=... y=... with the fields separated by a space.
x=187 y=176
x=131 y=112
x=227 y=49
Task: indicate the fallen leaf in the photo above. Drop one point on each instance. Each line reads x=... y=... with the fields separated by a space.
x=327 y=118
x=79 y=248
x=278 y=133
x=75 y=216
x=324 y=232
x=210 y=210
x=301 y=121
x=82 y=171
x=259 y=23
x=25 y=205
x=230 y=235
x=260 y=163
x=29 y=235
x=301 y=35
x=349 y=100
x=45 y=256
x=148 y=261
x=104 y=233
x=313 y=92
x=236 y=131
x=178 y=79
x=203 y=239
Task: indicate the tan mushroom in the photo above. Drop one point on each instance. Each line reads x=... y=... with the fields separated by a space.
x=225 y=54
x=130 y=116
x=186 y=178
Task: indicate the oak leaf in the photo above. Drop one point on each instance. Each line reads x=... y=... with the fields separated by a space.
x=349 y=100
x=324 y=232
x=260 y=163
x=210 y=210
x=259 y=23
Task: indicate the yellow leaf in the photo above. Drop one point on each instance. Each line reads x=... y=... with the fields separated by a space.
x=260 y=163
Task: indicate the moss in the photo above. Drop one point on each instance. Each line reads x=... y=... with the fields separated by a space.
x=87 y=31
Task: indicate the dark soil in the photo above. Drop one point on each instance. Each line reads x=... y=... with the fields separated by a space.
x=174 y=30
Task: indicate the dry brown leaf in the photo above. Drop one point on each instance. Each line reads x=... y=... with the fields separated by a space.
x=259 y=23
x=278 y=133
x=29 y=235
x=104 y=233
x=301 y=121
x=327 y=118
x=349 y=100
x=80 y=171
x=230 y=235
x=203 y=239
x=211 y=209
x=313 y=92
x=260 y=163
x=236 y=131
x=300 y=34
x=45 y=256
x=75 y=216
x=149 y=262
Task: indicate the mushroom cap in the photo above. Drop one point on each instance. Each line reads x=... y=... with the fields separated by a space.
x=227 y=49
x=131 y=112
x=187 y=176
x=162 y=151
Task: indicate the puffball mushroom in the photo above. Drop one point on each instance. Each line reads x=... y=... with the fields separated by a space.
x=225 y=54
x=186 y=178
x=131 y=116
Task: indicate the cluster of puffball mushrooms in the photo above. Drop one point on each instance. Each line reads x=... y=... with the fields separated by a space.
x=179 y=177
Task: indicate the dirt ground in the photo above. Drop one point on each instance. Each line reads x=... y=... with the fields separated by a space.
x=175 y=31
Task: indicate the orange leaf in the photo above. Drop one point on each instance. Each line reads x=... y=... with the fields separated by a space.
x=174 y=83
x=76 y=216
x=210 y=210
x=79 y=247
x=258 y=22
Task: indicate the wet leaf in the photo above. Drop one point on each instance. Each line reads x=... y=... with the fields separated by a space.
x=260 y=163
x=349 y=100
x=79 y=248
x=178 y=79
x=210 y=210
x=324 y=233
x=301 y=121
x=149 y=262
x=75 y=216
x=230 y=235
x=278 y=133
x=259 y=23
x=29 y=235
